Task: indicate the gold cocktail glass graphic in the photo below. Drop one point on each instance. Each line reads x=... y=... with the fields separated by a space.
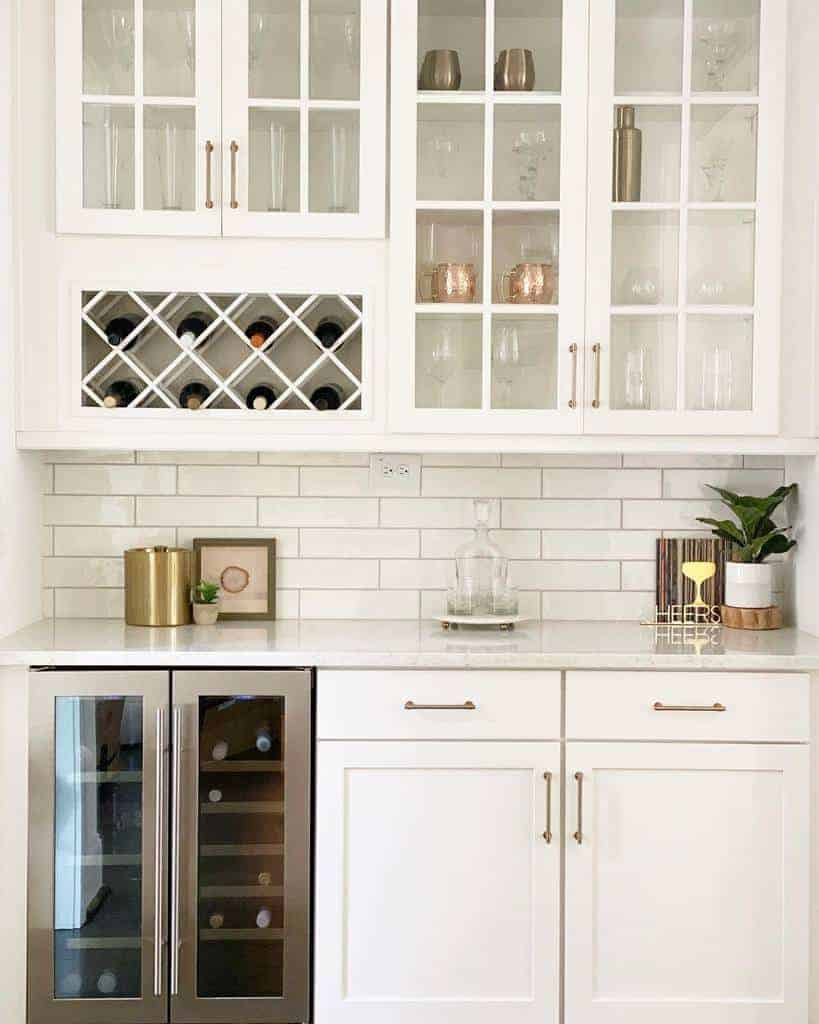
x=698 y=573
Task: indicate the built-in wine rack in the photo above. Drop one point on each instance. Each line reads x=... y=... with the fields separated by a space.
x=311 y=347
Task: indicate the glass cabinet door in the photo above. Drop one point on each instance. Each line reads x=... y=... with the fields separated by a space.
x=685 y=152
x=240 y=835
x=138 y=116
x=97 y=908
x=489 y=206
x=304 y=99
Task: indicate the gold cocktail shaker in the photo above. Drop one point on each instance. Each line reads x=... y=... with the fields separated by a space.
x=157 y=586
x=628 y=158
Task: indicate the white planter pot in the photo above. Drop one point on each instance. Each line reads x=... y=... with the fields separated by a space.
x=205 y=614
x=748 y=584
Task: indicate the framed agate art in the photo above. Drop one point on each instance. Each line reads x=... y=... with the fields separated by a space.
x=244 y=570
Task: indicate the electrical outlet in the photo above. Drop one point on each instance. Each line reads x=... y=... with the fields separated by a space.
x=398 y=475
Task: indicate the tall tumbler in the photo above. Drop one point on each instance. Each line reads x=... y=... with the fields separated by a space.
x=278 y=167
x=111 y=132
x=169 y=176
x=339 y=168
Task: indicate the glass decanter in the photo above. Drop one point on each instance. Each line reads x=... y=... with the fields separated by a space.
x=482 y=582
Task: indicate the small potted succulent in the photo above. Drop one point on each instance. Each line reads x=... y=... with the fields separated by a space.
x=754 y=538
x=205 y=598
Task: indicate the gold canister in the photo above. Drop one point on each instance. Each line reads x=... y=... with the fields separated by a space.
x=158 y=586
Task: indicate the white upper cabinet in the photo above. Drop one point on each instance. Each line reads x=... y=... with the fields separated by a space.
x=587 y=216
x=684 y=255
x=191 y=117
x=488 y=214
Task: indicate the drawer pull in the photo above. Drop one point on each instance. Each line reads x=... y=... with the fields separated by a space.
x=659 y=706
x=467 y=705
x=578 y=836
x=547 y=835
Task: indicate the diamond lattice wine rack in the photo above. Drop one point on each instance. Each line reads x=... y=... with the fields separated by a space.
x=262 y=353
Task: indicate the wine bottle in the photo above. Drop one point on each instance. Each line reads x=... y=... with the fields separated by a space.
x=328 y=332
x=264 y=878
x=193 y=395
x=260 y=330
x=264 y=918
x=261 y=397
x=264 y=739
x=118 y=329
x=107 y=982
x=216 y=920
x=215 y=796
x=327 y=398
x=220 y=750
x=120 y=393
x=190 y=329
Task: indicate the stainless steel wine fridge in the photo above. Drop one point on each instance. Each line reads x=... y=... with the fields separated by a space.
x=169 y=856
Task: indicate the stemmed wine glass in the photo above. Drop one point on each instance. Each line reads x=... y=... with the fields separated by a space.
x=506 y=357
x=720 y=42
x=443 y=359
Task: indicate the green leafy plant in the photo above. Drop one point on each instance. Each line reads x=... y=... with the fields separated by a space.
x=205 y=592
x=755 y=536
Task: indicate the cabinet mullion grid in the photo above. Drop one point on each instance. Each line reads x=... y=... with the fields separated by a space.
x=304 y=107
x=685 y=166
x=139 y=106
x=488 y=211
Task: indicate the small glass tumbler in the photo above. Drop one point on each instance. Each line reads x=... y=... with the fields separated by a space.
x=278 y=167
x=169 y=174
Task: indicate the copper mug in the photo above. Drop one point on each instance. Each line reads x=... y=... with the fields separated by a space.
x=528 y=283
x=449 y=282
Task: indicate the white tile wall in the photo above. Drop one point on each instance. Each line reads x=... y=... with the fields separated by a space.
x=580 y=529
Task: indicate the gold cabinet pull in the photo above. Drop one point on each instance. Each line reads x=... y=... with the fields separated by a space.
x=578 y=836
x=468 y=705
x=573 y=399
x=659 y=706
x=234 y=160
x=547 y=835
x=208 y=175
x=596 y=350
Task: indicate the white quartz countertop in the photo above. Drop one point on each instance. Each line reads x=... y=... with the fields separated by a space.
x=404 y=644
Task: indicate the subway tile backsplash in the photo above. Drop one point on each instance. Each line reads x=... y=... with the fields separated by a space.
x=580 y=529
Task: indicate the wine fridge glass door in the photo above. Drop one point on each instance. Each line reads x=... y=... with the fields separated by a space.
x=97 y=909
x=240 y=839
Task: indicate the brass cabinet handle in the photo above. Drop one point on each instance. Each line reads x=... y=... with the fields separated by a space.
x=596 y=350
x=159 y=816
x=208 y=175
x=234 y=149
x=466 y=706
x=573 y=399
x=578 y=836
x=659 y=706
x=547 y=835
x=175 y=840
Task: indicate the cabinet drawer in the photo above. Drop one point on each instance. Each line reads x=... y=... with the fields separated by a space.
x=438 y=705
x=687 y=706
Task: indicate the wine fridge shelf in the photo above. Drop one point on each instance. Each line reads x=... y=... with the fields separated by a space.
x=157 y=364
x=242 y=766
x=244 y=807
x=241 y=934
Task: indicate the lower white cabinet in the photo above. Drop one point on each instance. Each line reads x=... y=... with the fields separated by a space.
x=437 y=892
x=687 y=892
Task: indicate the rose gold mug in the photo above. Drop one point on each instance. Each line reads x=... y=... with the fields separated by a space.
x=449 y=282
x=528 y=282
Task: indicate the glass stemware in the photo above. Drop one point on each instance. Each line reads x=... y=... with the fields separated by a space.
x=443 y=148
x=714 y=169
x=443 y=359
x=531 y=149
x=506 y=357
x=641 y=286
x=720 y=41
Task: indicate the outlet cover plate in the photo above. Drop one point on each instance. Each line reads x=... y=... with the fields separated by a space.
x=395 y=475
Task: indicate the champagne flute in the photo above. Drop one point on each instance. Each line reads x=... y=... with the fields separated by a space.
x=506 y=357
x=443 y=359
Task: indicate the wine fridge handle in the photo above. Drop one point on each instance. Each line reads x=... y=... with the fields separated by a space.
x=208 y=175
x=158 y=850
x=175 y=835
x=234 y=160
x=573 y=353
x=578 y=836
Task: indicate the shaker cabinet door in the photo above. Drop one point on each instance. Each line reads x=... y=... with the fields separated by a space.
x=97 y=855
x=687 y=884
x=437 y=891
x=137 y=111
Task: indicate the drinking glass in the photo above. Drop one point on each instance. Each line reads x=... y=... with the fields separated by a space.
x=719 y=41
x=443 y=359
x=638 y=369
x=110 y=128
x=531 y=149
x=443 y=149
x=717 y=390
x=169 y=176
x=506 y=357
x=339 y=167
x=278 y=166
x=641 y=286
